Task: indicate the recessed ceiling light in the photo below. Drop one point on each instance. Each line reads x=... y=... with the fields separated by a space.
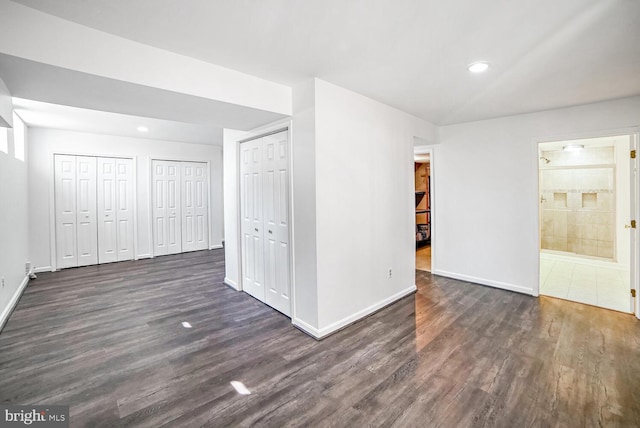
x=478 y=67
x=142 y=129
x=572 y=147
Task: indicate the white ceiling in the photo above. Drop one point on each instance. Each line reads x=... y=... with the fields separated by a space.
x=44 y=115
x=411 y=54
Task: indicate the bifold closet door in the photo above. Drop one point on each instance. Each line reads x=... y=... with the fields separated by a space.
x=276 y=221
x=65 y=211
x=252 y=223
x=194 y=193
x=115 y=209
x=86 y=205
x=167 y=230
x=107 y=219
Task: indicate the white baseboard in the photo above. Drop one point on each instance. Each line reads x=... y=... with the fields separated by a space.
x=306 y=328
x=483 y=281
x=43 y=269
x=6 y=312
x=216 y=247
x=231 y=283
x=144 y=256
x=338 y=325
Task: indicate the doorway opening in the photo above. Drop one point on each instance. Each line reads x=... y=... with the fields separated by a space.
x=422 y=187
x=587 y=201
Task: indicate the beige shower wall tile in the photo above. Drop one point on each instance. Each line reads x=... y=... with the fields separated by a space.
x=605 y=249
x=590 y=247
x=590 y=232
x=560 y=223
x=605 y=233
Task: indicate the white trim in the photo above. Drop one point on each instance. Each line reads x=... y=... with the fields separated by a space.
x=216 y=247
x=144 y=256
x=338 y=325
x=43 y=269
x=134 y=187
x=489 y=282
x=231 y=283
x=306 y=328
x=209 y=216
x=6 y=312
x=150 y=206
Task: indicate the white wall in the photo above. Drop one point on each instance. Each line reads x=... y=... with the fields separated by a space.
x=305 y=310
x=6 y=106
x=55 y=41
x=13 y=224
x=44 y=142
x=231 y=207
x=365 y=204
x=486 y=189
x=353 y=205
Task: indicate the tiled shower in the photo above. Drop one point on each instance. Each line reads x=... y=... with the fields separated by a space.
x=578 y=200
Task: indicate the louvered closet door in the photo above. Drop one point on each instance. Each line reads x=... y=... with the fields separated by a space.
x=86 y=205
x=124 y=209
x=194 y=206
x=107 y=212
x=65 y=210
x=276 y=221
x=167 y=231
x=251 y=218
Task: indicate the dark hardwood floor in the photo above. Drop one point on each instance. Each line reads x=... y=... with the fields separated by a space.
x=108 y=341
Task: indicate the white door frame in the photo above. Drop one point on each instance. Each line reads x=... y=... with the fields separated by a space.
x=423 y=150
x=52 y=208
x=634 y=134
x=273 y=129
x=150 y=201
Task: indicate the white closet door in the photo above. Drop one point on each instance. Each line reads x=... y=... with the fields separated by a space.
x=201 y=203
x=276 y=221
x=65 y=209
x=194 y=207
x=86 y=203
x=107 y=213
x=251 y=218
x=124 y=208
x=166 y=208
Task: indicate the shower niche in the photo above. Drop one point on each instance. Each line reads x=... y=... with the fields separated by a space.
x=578 y=200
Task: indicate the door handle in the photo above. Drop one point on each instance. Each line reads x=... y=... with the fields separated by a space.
x=270 y=232
x=255 y=228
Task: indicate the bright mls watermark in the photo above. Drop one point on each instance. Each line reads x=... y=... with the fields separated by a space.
x=34 y=416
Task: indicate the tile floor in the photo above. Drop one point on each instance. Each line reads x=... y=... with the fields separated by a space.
x=593 y=282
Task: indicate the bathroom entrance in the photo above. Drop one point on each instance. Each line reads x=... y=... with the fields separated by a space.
x=587 y=237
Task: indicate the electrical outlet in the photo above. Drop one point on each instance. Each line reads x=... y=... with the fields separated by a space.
x=27 y=268
x=390 y=272
x=2 y=281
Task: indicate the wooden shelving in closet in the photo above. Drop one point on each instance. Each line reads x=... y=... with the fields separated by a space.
x=423 y=206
